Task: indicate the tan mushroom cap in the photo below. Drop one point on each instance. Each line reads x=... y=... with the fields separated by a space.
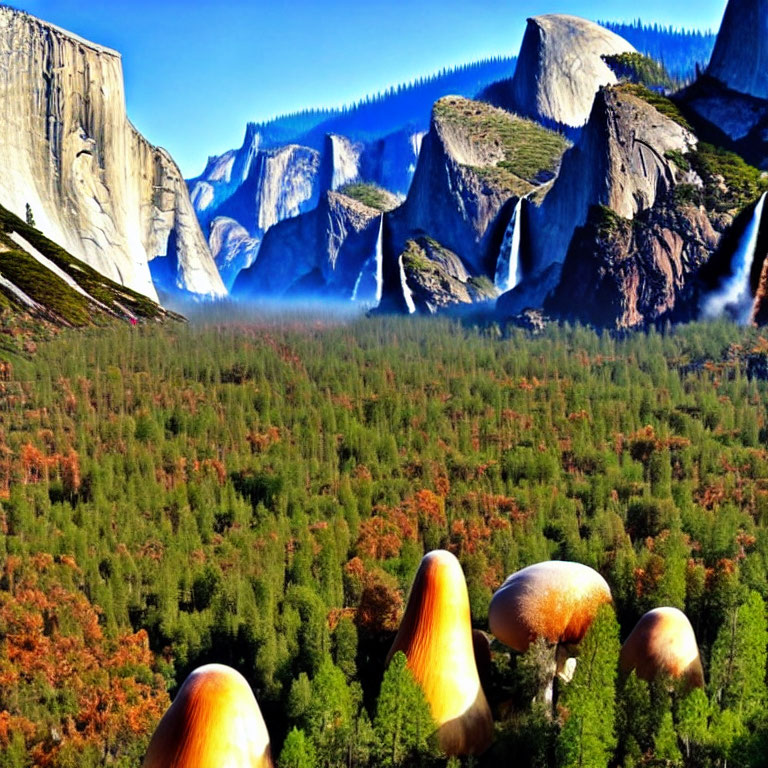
x=663 y=643
x=436 y=638
x=556 y=600
x=214 y=722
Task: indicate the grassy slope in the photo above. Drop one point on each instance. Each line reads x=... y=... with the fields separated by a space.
x=371 y=195
x=90 y=280
x=532 y=153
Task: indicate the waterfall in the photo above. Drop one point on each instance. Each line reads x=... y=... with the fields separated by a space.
x=371 y=277
x=508 y=264
x=734 y=294
x=407 y=294
x=380 y=262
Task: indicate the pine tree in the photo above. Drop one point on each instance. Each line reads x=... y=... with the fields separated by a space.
x=30 y=216
x=330 y=716
x=403 y=724
x=298 y=751
x=587 y=738
x=739 y=659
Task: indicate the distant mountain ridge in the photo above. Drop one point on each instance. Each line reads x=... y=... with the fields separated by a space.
x=387 y=111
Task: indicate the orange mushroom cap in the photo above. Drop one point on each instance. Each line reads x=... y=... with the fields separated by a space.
x=556 y=600
x=436 y=637
x=663 y=643
x=214 y=722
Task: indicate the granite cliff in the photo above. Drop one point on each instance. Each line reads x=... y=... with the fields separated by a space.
x=93 y=183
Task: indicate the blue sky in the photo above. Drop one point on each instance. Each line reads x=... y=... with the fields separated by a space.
x=197 y=71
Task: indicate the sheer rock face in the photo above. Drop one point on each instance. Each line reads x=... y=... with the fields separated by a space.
x=560 y=69
x=436 y=638
x=621 y=161
x=450 y=199
x=475 y=165
x=94 y=184
x=213 y=721
x=740 y=58
x=232 y=247
x=663 y=643
x=281 y=183
x=622 y=274
x=320 y=253
x=554 y=600
x=731 y=99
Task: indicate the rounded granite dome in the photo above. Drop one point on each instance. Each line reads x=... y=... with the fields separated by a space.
x=214 y=722
x=663 y=643
x=436 y=638
x=561 y=68
x=555 y=600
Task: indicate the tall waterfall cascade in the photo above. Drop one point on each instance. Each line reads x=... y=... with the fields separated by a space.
x=508 y=267
x=407 y=293
x=734 y=295
x=369 y=286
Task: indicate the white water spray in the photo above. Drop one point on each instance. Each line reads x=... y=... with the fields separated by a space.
x=735 y=294
x=508 y=264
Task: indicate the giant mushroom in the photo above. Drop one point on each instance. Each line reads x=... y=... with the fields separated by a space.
x=555 y=601
x=214 y=722
x=436 y=637
x=663 y=643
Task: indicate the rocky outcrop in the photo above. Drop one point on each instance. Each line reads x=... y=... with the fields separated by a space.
x=270 y=179
x=94 y=184
x=475 y=161
x=623 y=160
x=321 y=253
x=560 y=69
x=623 y=274
x=740 y=58
x=223 y=175
x=437 y=278
x=232 y=247
x=281 y=183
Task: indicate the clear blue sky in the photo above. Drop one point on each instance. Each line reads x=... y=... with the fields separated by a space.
x=196 y=71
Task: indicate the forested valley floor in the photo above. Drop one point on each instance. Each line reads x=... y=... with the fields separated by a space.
x=262 y=495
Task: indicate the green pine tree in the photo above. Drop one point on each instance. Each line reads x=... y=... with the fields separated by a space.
x=587 y=738
x=298 y=751
x=403 y=724
x=737 y=677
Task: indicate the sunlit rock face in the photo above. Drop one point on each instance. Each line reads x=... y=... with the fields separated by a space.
x=740 y=58
x=94 y=184
x=663 y=643
x=561 y=68
x=436 y=638
x=554 y=600
x=214 y=722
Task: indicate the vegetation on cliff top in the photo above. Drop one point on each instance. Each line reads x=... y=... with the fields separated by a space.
x=640 y=69
x=531 y=152
x=371 y=195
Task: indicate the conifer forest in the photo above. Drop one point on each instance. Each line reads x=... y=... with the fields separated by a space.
x=262 y=496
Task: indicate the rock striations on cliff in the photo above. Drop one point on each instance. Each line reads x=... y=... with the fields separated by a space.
x=561 y=68
x=94 y=184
